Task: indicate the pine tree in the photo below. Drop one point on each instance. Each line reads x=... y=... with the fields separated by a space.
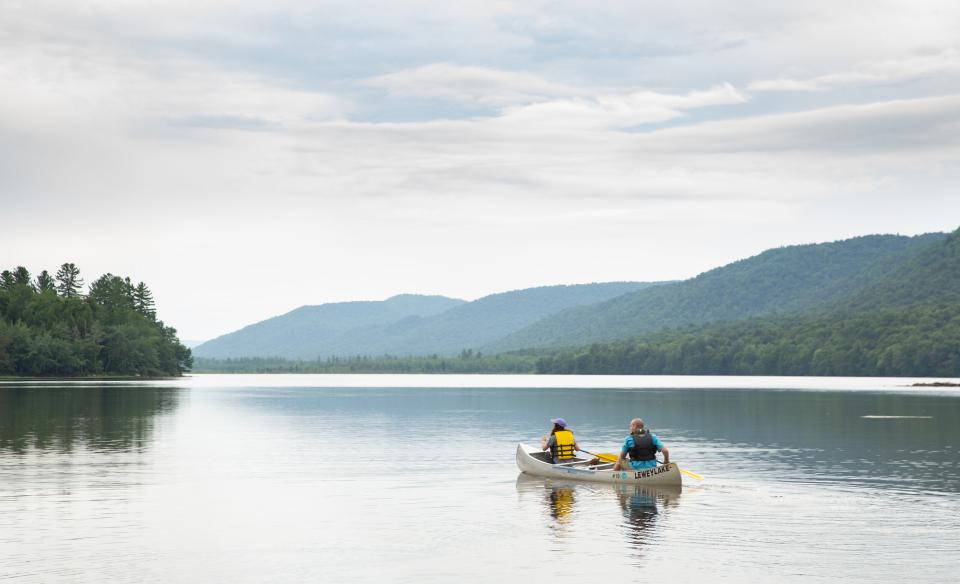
x=143 y=300
x=21 y=277
x=6 y=279
x=44 y=282
x=69 y=281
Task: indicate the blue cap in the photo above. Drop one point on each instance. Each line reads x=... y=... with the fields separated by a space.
x=560 y=422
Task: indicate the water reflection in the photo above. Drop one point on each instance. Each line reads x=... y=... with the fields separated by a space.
x=641 y=511
x=258 y=484
x=58 y=418
x=641 y=508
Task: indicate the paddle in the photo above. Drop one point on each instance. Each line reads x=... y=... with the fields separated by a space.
x=602 y=456
x=613 y=458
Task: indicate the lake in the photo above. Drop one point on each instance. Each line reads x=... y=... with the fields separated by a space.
x=412 y=479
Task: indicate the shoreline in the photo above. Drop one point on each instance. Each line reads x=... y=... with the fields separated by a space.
x=456 y=382
x=87 y=378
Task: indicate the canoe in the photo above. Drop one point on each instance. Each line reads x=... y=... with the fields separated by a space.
x=536 y=462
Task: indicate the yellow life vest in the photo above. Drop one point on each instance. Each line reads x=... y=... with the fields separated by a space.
x=565 y=447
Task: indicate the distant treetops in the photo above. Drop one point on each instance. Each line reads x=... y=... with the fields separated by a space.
x=48 y=327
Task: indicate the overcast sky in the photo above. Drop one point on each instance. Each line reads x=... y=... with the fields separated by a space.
x=247 y=157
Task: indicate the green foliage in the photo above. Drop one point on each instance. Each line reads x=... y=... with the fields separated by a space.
x=906 y=323
x=21 y=277
x=915 y=341
x=48 y=330
x=782 y=281
x=44 y=282
x=933 y=275
x=69 y=281
x=467 y=361
x=143 y=301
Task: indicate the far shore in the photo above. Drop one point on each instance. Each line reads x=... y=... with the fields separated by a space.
x=87 y=378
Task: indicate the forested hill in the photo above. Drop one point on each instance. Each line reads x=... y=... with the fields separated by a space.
x=49 y=327
x=787 y=280
x=310 y=331
x=906 y=323
x=376 y=328
x=931 y=276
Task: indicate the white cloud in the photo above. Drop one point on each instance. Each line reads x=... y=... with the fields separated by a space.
x=617 y=110
x=481 y=85
x=878 y=73
x=266 y=149
x=528 y=99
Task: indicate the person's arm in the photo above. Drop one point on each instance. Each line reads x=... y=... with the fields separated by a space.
x=547 y=443
x=661 y=448
x=622 y=459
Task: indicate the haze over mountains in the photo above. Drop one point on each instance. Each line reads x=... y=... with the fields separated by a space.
x=815 y=281
x=405 y=324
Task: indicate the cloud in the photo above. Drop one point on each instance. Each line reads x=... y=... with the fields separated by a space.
x=480 y=85
x=915 y=125
x=877 y=73
x=97 y=87
x=528 y=99
x=619 y=110
x=336 y=150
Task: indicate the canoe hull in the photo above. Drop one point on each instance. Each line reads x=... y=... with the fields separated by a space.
x=663 y=475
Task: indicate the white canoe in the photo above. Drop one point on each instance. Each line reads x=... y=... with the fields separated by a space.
x=535 y=461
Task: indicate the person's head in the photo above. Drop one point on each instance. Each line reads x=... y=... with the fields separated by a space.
x=558 y=424
x=636 y=425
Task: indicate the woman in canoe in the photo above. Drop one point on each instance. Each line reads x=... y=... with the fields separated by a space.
x=561 y=442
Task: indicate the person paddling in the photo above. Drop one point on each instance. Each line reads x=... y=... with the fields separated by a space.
x=642 y=446
x=561 y=442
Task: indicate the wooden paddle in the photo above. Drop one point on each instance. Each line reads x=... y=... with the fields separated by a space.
x=613 y=458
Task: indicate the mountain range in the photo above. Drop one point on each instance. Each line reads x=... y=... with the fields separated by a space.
x=814 y=283
x=785 y=280
x=905 y=321
x=406 y=324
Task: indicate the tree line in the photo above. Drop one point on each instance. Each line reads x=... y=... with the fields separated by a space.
x=50 y=327
x=468 y=361
x=916 y=341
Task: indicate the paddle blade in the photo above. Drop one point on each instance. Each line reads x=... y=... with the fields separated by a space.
x=607 y=456
x=690 y=474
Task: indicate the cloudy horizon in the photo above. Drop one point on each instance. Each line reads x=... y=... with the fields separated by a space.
x=244 y=160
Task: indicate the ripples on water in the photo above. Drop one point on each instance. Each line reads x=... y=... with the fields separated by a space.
x=148 y=483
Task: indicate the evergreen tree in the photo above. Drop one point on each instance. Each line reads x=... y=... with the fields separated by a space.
x=21 y=277
x=69 y=281
x=108 y=332
x=112 y=292
x=143 y=301
x=44 y=282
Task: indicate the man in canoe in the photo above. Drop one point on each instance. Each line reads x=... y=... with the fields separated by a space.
x=642 y=446
x=561 y=442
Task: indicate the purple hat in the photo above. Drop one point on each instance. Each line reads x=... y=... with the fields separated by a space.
x=560 y=422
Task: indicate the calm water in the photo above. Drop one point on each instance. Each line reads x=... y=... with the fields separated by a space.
x=293 y=479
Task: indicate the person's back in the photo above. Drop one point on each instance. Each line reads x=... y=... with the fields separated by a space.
x=561 y=443
x=642 y=447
